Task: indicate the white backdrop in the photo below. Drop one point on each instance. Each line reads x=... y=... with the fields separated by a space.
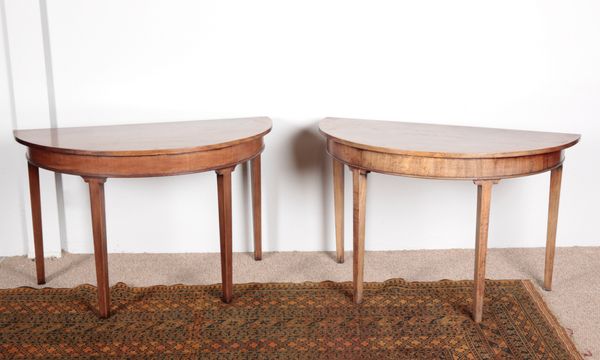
x=514 y=64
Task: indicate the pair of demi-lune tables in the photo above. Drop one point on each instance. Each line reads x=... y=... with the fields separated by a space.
x=481 y=155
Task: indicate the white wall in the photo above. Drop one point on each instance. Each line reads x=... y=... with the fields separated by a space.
x=513 y=64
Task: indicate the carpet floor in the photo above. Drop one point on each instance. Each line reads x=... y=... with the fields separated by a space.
x=397 y=320
x=575 y=299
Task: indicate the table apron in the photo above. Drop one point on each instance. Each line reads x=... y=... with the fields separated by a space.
x=444 y=168
x=145 y=166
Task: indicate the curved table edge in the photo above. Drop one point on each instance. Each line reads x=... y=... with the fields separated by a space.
x=555 y=164
x=153 y=152
x=251 y=155
x=429 y=154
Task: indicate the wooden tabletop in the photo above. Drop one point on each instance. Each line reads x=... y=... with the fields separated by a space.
x=443 y=141
x=146 y=139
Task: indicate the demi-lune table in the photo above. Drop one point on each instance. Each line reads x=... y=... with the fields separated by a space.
x=146 y=150
x=483 y=155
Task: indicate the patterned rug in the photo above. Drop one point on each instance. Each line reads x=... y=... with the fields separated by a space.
x=397 y=320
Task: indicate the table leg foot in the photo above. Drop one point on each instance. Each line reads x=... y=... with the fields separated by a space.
x=484 y=196
x=36 y=218
x=555 y=182
x=224 y=192
x=96 y=186
x=338 y=199
x=359 y=180
x=256 y=207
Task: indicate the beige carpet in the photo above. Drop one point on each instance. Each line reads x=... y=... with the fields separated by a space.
x=575 y=299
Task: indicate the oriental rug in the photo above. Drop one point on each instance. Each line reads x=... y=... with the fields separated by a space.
x=397 y=320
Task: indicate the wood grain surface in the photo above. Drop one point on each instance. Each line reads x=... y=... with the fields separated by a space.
x=442 y=141
x=147 y=139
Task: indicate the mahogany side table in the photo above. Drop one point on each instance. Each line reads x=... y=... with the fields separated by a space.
x=146 y=150
x=482 y=155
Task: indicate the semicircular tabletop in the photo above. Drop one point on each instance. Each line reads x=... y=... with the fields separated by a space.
x=442 y=141
x=146 y=139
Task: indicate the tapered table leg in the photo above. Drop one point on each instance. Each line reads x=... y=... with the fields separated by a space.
x=224 y=189
x=36 y=217
x=555 y=181
x=256 y=207
x=338 y=199
x=96 y=186
x=484 y=196
x=359 y=180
